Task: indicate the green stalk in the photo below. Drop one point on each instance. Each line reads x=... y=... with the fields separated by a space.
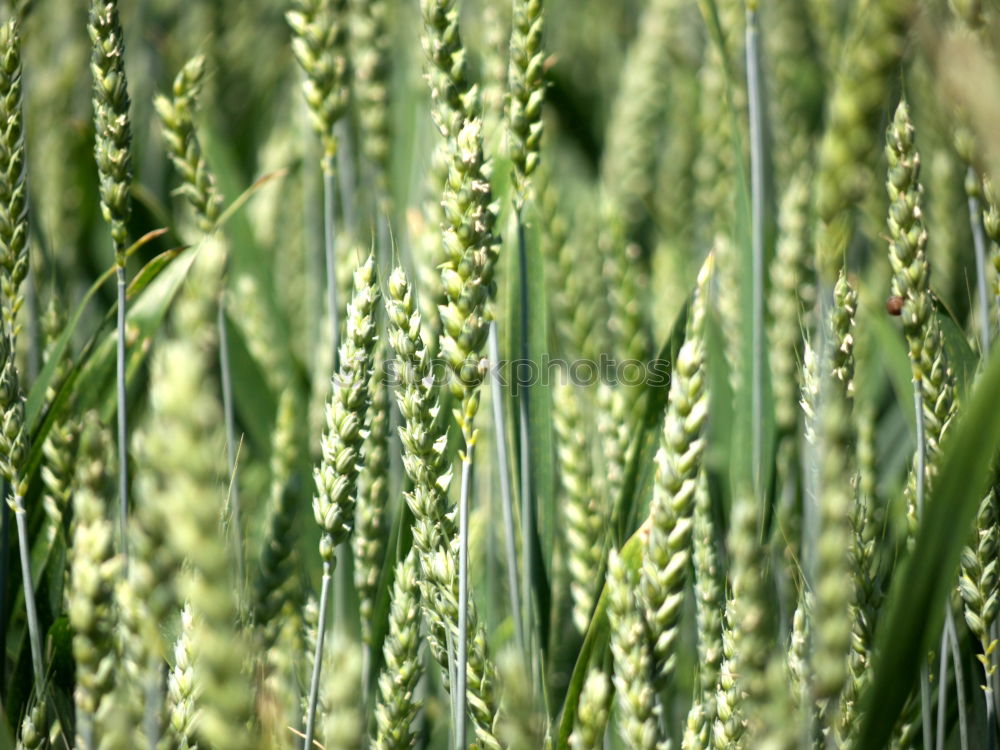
x=462 y=657
x=757 y=197
x=307 y=740
x=34 y=631
x=925 y=690
x=942 y=705
x=947 y=653
x=122 y=398
x=506 y=498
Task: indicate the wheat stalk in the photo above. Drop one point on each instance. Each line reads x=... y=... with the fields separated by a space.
x=337 y=474
x=113 y=152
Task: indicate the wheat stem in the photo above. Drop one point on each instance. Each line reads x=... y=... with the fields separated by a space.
x=317 y=663
x=122 y=401
x=34 y=630
x=963 y=722
x=461 y=657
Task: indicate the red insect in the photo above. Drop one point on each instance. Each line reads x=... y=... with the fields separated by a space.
x=894 y=305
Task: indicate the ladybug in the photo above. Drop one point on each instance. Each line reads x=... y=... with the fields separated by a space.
x=894 y=305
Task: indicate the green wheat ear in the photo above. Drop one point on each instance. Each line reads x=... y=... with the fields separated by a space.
x=592 y=715
x=90 y=599
x=177 y=112
x=319 y=42
x=527 y=92
x=346 y=414
x=638 y=703
x=112 y=122
x=668 y=547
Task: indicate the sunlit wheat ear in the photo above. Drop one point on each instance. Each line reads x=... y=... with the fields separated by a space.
x=370 y=535
x=397 y=705
x=637 y=703
x=668 y=547
x=319 y=42
x=337 y=474
x=424 y=440
x=182 y=688
x=198 y=184
x=932 y=378
x=527 y=92
x=346 y=414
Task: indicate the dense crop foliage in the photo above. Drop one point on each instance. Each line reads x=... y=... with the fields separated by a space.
x=499 y=373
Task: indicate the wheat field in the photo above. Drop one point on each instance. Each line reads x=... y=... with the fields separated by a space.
x=570 y=374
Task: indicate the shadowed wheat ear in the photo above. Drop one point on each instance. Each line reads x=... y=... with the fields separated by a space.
x=198 y=185
x=582 y=509
x=372 y=66
x=60 y=446
x=274 y=586
x=13 y=270
x=188 y=410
